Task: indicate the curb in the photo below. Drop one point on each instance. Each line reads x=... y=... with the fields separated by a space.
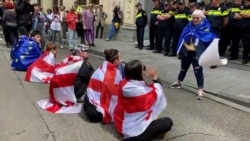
x=241 y=105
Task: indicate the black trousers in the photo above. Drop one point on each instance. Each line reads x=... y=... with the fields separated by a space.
x=176 y=36
x=246 y=43
x=166 y=34
x=12 y=32
x=90 y=111
x=6 y=35
x=24 y=29
x=235 y=45
x=98 y=27
x=153 y=35
x=155 y=129
x=140 y=35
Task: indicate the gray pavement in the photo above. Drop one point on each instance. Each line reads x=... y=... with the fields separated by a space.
x=225 y=84
x=21 y=118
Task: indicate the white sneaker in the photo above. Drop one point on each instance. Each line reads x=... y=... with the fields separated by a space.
x=61 y=46
x=200 y=95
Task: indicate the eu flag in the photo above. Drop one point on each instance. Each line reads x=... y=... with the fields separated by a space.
x=199 y=33
x=25 y=53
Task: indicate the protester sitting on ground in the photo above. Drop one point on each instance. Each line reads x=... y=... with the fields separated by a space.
x=43 y=69
x=85 y=72
x=101 y=98
x=194 y=40
x=27 y=51
x=140 y=104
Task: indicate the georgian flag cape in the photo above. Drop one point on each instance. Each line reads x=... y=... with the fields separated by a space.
x=138 y=105
x=42 y=70
x=62 y=97
x=102 y=90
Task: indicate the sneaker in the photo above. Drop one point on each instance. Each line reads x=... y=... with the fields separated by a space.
x=107 y=39
x=175 y=86
x=200 y=95
x=61 y=46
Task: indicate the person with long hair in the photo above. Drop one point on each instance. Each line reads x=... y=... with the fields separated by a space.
x=101 y=98
x=139 y=105
x=56 y=26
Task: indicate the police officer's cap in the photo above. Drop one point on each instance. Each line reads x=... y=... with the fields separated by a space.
x=138 y=4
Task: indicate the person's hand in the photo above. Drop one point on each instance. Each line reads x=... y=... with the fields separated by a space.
x=237 y=16
x=158 y=17
x=152 y=74
x=84 y=27
x=156 y=23
x=190 y=48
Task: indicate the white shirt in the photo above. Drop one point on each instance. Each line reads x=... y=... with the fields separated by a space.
x=56 y=22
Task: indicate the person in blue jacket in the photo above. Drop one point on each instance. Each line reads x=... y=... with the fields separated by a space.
x=26 y=51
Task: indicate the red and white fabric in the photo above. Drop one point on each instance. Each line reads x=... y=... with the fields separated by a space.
x=102 y=90
x=42 y=70
x=62 y=97
x=138 y=105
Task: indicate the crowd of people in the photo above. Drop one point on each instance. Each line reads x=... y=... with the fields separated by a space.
x=229 y=21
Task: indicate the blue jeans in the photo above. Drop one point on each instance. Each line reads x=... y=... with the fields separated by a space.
x=72 y=35
x=112 y=31
x=186 y=61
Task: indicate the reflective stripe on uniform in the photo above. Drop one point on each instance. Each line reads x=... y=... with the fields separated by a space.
x=189 y=17
x=180 y=16
x=245 y=11
x=156 y=12
x=235 y=10
x=139 y=15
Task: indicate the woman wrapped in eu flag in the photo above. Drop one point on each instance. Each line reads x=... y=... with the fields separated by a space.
x=194 y=40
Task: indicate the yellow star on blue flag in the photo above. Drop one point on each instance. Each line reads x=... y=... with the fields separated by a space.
x=30 y=42
x=30 y=47
x=16 y=60
x=27 y=53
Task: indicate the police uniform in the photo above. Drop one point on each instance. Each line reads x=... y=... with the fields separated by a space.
x=180 y=22
x=215 y=17
x=153 y=35
x=141 y=22
x=165 y=28
x=234 y=26
x=245 y=34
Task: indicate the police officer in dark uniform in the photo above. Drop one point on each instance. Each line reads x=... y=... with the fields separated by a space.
x=165 y=27
x=245 y=34
x=234 y=26
x=217 y=17
x=153 y=35
x=141 y=22
x=181 y=20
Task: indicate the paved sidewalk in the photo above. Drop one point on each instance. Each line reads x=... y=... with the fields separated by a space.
x=227 y=85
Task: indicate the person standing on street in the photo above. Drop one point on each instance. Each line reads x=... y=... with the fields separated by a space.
x=101 y=16
x=165 y=26
x=56 y=27
x=24 y=12
x=141 y=22
x=88 y=26
x=71 y=20
x=153 y=26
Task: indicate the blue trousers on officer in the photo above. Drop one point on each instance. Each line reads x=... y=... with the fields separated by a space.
x=140 y=36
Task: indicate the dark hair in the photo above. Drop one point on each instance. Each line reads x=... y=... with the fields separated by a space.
x=133 y=70
x=111 y=54
x=35 y=32
x=55 y=10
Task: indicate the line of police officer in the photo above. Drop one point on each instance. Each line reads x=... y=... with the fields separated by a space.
x=229 y=21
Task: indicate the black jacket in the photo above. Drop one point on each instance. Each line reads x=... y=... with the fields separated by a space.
x=24 y=12
x=82 y=79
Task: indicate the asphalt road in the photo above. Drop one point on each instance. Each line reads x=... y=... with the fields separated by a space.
x=21 y=119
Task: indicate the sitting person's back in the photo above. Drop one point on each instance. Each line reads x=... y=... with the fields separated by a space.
x=101 y=98
x=139 y=105
x=43 y=69
x=26 y=51
x=83 y=76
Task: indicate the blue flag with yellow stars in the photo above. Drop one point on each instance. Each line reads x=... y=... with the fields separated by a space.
x=25 y=53
x=201 y=33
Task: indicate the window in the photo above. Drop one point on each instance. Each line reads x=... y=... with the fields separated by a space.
x=94 y=2
x=82 y=2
